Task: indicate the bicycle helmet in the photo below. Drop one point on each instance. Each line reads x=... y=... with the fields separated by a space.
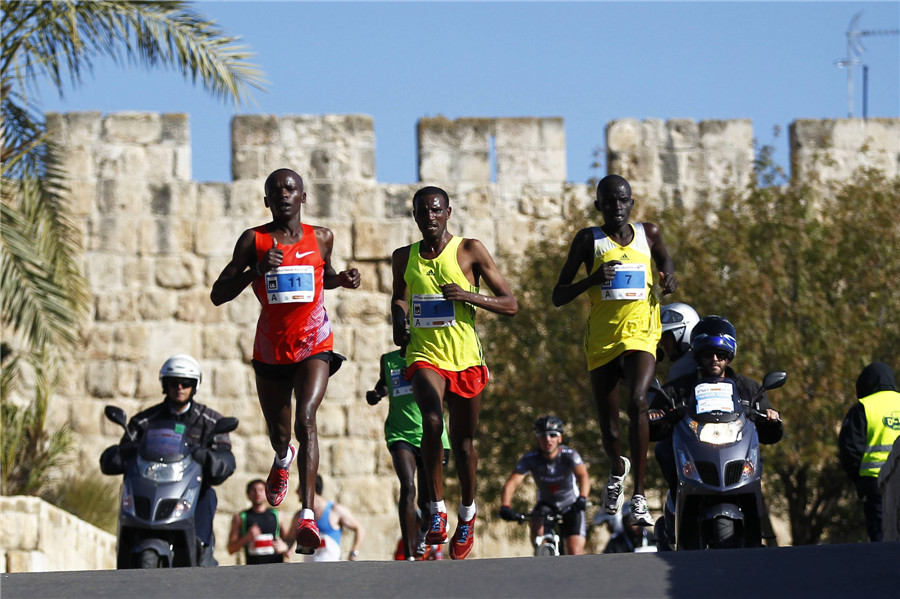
x=681 y=320
x=180 y=366
x=714 y=332
x=547 y=424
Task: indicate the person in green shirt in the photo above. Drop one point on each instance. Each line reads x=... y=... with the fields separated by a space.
x=403 y=435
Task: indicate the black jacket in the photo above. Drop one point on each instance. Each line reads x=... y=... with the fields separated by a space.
x=199 y=420
x=681 y=391
x=852 y=440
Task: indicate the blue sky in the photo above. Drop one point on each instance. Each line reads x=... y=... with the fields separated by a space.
x=587 y=62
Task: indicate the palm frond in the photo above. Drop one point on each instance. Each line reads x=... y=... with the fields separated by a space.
x=55 y=39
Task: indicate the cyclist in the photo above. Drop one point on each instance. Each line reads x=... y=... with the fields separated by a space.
x=562 y=482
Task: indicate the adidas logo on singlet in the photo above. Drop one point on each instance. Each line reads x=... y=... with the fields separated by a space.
x=623 y=257
x=430 y=273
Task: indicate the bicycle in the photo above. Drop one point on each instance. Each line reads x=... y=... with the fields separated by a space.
x=547 y=544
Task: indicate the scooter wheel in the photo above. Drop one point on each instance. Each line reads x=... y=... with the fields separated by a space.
x=724 y=533
x=148 y=559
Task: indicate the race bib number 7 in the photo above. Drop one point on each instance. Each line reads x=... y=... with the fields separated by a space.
x=431 y=310
x=629 y=283
x=289 y=284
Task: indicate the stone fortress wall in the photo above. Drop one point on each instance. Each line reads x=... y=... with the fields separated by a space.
x=155 y=240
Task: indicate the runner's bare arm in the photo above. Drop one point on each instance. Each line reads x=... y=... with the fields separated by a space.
x=239 y=272
x=482 y=264
x=399 y=303
x=349 y=278
x=580 y=252
x=664 y=263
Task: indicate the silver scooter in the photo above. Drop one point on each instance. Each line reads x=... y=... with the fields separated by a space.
x=719 y=502
x=159 y=496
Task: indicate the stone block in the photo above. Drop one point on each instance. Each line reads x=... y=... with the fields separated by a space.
x=178 y=271
x=82 y=128
x=175 y=129
x=624 y=135
x=365 y=498
x=115 y=307
x=195 y=306
x=101 y=378
x=132 y=127
x=130 y=342
x=374 y=239
x=682 y=134
x=362 y=421
x=331 y=420
x=115 y=233
x=255 y=130
x=165 y=235
x=81 y=197
x=221 y=341
x=121 y=195
x=228 y=382
x=156 y=304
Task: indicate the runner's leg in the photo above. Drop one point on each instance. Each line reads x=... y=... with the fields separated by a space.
x=639 y=370
x=464 y=413
x=310 y=382
x=428 y=389
x=405 y=467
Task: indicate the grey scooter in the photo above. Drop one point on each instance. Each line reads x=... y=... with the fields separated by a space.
x=719 y=500
x=159 y=496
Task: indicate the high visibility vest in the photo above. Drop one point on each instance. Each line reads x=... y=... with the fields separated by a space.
x=882 y=428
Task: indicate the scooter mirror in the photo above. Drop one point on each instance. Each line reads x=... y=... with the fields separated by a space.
x=225 y=425
x=116 y=414
x=773 y=380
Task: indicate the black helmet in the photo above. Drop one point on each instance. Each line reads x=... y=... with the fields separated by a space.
x=714 y=332
x=548 y=424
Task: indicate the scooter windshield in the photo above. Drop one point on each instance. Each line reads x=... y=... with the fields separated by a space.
x=716 y=401
x=164 y=441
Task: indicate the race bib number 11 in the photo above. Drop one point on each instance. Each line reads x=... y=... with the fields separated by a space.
x=289 y=284
x=630 y=283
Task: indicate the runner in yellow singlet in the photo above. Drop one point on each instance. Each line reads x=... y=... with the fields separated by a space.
x=623 y=327
x=435 y=295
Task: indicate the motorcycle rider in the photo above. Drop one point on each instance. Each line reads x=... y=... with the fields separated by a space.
x=556 y=469
x=714 y=345
x=180 y=377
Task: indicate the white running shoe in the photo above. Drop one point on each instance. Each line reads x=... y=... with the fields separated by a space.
x=613 y=498
x=640 y=514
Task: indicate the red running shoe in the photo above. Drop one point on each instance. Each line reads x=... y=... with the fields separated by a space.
x=437 y=532
x=463 y=539
x=308 y=537
x=277 y=483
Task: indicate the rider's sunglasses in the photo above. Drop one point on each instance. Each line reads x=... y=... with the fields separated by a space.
x=718 y=355
x=180 y=382
x=551 y=434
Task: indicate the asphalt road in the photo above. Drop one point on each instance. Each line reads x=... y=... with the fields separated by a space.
x=865 y=570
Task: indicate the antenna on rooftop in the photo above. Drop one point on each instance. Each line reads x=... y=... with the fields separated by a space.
x=855 y=50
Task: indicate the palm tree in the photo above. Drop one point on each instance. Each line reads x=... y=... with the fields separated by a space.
x=44 y=292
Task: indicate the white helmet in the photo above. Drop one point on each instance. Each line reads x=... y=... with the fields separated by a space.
x=181 y=366
x=680 y=319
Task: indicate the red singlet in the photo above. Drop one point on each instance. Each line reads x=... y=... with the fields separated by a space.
x=293 y=323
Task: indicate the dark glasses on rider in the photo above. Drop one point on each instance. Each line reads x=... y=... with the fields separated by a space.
x=551 y=434
x=180 y=382
x=718 y=355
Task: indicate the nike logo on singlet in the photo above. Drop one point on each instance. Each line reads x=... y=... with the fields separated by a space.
x=299 y=255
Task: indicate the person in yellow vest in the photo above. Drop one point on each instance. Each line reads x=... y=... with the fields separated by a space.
x=867 y=434
x=623 y=327
x=435 y=295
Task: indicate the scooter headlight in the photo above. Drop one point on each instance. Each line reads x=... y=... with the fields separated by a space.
x=162 y=472
x=686 y=465
x=721 y=433
x=751 y=463
x=127 y=500
x=187 y=500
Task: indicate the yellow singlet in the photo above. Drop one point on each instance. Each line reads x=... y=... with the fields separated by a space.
x=625 y=312
x=442 y=332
